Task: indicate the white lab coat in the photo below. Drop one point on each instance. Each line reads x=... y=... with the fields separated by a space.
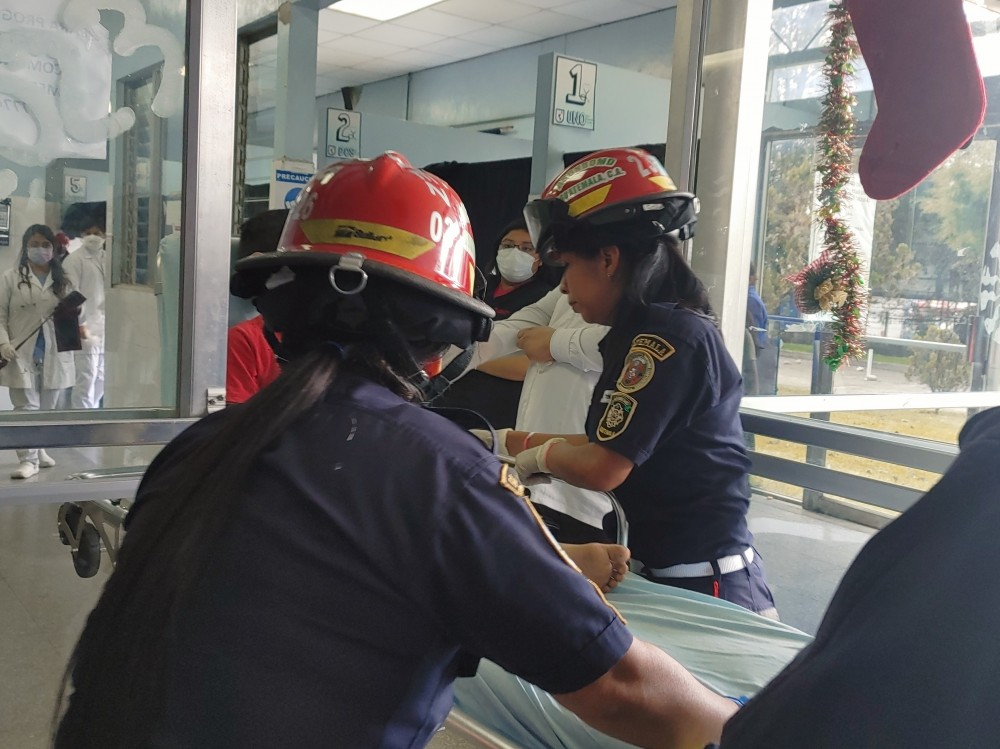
x=22 y=307
x=86 y=272
x=556 y=395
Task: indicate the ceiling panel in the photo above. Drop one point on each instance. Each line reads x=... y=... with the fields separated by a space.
x=440 y=23
x=401 y=35
x=485 y=10
x=502 y=37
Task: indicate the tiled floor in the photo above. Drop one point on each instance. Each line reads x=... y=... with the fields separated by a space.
x=43 y=604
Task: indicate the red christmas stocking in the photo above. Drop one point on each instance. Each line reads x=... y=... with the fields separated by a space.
x=928 y=87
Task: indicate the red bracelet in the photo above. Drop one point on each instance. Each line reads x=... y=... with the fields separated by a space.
x=527 y=437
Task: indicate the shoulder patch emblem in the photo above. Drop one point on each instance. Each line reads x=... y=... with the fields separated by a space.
x=658 y=348
x=638 y=371
x=617 y=416
x=510 y=481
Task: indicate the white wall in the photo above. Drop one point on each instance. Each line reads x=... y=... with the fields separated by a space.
x=502 y=85
x=428 y=144
x=629 y=109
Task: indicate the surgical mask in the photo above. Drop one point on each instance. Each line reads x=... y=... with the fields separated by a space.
x=515 y=266
x=93 y=243
x=40 y=255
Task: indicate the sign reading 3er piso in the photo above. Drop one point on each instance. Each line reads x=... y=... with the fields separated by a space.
x=575 y=93
x=343 y=134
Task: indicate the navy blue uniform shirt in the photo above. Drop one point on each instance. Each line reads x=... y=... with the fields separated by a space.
x=906 y=655
x=669 y=400
x=375 y=540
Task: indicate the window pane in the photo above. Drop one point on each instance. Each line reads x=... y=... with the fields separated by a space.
x=91 y=146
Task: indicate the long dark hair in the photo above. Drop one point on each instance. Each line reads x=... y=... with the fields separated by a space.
x=59 y=284
x=119 y=665
x=656 y=268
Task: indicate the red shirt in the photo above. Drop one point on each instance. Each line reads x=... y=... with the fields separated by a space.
x=250 y=361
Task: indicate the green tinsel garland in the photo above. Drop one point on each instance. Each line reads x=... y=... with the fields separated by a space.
x=833 y=281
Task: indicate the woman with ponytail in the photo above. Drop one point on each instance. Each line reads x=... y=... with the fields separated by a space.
x=663 y=430
x=314 y=567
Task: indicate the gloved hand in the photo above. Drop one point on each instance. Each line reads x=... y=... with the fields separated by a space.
x=533 y=459
x=8 y=352
x=487 y=439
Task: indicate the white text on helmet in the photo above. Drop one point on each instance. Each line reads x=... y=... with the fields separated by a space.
x=591 y=181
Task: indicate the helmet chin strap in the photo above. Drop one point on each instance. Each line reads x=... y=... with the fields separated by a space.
x=437 y=385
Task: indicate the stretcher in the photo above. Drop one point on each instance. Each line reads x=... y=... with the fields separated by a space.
x=731 y=650
x=89 y=526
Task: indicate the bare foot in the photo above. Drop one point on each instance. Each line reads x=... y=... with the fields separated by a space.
x=604 y=564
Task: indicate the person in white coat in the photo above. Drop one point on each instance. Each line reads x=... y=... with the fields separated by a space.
x=565 y=365
x=36 y=372
x=85 y=271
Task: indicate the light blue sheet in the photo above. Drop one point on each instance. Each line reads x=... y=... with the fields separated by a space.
x=729 y=649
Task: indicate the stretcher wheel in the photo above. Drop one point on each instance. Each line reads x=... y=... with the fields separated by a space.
x=72 y=514
x=87 y=558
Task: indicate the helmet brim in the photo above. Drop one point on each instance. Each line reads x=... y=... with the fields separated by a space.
x=676 y=211
x=251 y=273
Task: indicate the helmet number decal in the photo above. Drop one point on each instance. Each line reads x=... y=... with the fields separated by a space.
x=643 y=171
x=305 y=204
x=441 y=226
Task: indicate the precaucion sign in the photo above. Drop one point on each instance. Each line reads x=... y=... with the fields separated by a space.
x=343 y=134
x=287 y=180
x=575 y=93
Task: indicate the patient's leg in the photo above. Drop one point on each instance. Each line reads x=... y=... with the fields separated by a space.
x=605 y=564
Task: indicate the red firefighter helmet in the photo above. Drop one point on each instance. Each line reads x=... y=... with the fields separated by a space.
x=615 y=186
x=382 y=217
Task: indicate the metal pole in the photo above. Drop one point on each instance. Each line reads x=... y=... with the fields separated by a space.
x=209 y=135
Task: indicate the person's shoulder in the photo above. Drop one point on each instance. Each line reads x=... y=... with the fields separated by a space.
x=420 y=428
x=983 y=427
x=681 y=324
x=252 y=329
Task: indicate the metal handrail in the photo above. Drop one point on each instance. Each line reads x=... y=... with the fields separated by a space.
x=91 y=433
x=913 y=452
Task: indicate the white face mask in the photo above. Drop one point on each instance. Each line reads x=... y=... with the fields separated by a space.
x=93 y=243
x=40 y=255
x=515 y=266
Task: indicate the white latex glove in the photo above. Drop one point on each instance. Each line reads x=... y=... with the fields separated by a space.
x=532 y=460
x=8 y=352
x=487 y=439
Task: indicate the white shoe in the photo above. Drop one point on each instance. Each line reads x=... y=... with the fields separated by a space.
x=45 y=460
x=26 y=470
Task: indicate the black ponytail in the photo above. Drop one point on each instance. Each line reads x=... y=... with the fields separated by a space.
x=119 y=664
x=661 y=274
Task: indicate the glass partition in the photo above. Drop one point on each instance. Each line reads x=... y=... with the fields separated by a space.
x=91 y=151
x=930 y=265
x=927 y=253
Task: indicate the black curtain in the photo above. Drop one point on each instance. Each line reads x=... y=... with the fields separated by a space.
x=494 y=193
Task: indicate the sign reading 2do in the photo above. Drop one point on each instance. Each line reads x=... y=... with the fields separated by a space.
x=575 y=93
x=343 y=134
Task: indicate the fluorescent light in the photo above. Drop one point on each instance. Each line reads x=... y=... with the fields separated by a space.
x=381 y=10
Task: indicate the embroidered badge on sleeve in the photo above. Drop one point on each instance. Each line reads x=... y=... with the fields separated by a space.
x=640 y=362
x=617 y=416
